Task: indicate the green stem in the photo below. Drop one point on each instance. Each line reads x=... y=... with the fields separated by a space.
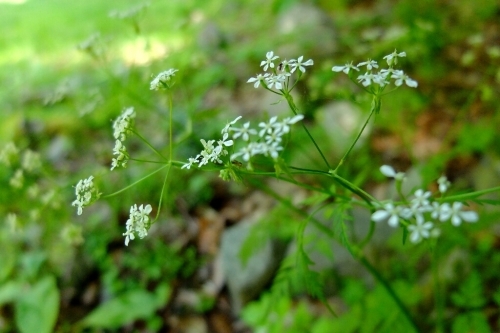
x=135 y=183
x=162 y=192
x=372 y=111
x=170 y=125
x=148 y=144
x=295 y=110
x=376 y=274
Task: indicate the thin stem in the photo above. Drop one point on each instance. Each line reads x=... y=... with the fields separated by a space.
x=164 y=186
x=148 y=144
x=295 y=110
x=376 y=274
x=135 y=183
x=372 y=111
x=170 y=125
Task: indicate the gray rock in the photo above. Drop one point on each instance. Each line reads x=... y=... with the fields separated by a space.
x=247 y=281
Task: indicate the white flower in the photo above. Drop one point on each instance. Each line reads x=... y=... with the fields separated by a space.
x=244 y=132
x=369 y=64
x=9 y=153
x=270 y=57
x=389 y=171
x=121 y=155
x=228 y=125
x=284 y=125
x=392 y=59
x=219 y=150
x=299 y=64
x=420 y=230
x=31 y=161
x=421 y=198
x=162 y=80
x=456 y=214
x=270 y=149
x=123 y=124
x=443 y=184
x=346 y=68
x=267 y=127
x=401 y=77
x=366 y=79
x=86 y=193
x=276 y=80
x=390 y=212
x=138 y=222
x=190 y=162
x=258 y=79
x=246 y=152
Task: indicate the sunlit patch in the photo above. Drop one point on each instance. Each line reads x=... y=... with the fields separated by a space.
x=141 y=51
x=13 y=2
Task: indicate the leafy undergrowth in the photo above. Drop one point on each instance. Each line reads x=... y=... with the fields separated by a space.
x=68 y=69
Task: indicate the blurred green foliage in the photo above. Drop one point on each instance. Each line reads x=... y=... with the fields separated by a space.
x=61 y=272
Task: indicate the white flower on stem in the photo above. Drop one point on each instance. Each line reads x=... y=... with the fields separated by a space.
x=392 y=59
x=190 y=162
x=366 y=79
x=276 y=80
x=346 y=68
x=138 y=222
x=370 y=64
x=228 y=125
x=284 y=125
x=219 y=150
x=389 y=171
x=299 y=64
x=401 y=77
x=443 y=183
x=258 y=79
x=267 y=127
x=420 y=230
x=270 y=149
x=246 y=152
x=437 y=209
x=380 y=79
x=121 y=156
x=270 y=57
x=274 y=136
x=390 y=213
x=86 y=193
x=123 y=124
x=455 y=213
x=163 y=80
x=244 y=132
x=421 y=198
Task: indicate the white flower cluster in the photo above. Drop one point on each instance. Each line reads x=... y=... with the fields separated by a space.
x=138 y=222
x=121 y=128
x=9 y=153
x=86 y=193
x=163 y=80
x=269 y=138
x=279 y=73
x=422 y=208
x=382 y=78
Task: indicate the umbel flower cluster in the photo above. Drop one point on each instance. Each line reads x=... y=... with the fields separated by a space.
x=138 y=222
x=86 y=194
x=278 y=75
x=421 y=214
x=265 y=140
x=381 y=78
x=121 y=128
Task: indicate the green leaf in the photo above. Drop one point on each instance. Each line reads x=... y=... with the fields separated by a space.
x=126 y=308
x=470 y=294
x=36 y=310
x=10 y=291
x=471 y=322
